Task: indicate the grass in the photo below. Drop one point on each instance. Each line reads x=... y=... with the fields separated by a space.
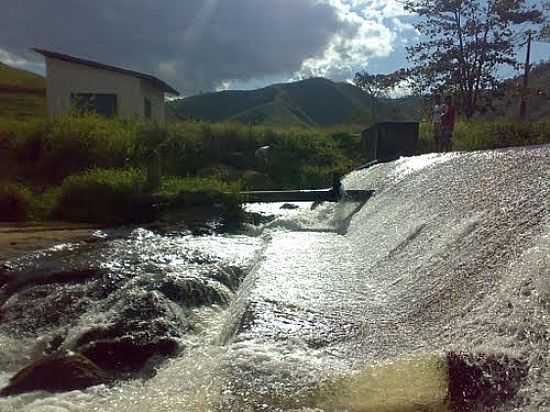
x=22 y=106
x=201 y=192
x=74 y=162
x=87 y=168
x=53 y=150
x=100 y=196
x=485 y=135
x=22 y=94
x=11 y=76
x=15 y=201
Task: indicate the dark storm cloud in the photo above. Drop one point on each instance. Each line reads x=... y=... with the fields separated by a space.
x=194 y=43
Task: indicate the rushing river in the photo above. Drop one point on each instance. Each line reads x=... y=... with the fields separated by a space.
x=338 y=307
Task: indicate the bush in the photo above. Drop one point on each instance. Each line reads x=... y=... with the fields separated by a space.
x=195 y=191
x=15 y=202
x=50 y=150
x=482 y=135
x=101 y=196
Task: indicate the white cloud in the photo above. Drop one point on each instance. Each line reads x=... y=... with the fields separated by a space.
x=16 y=61
x=201 y=45
x=370 y=29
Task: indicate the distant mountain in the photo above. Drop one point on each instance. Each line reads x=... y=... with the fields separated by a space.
x=22 y=93
x=312 y=102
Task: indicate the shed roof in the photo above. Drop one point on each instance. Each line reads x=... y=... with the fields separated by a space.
x=71 y=59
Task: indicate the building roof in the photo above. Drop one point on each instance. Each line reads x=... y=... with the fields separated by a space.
x=71 y=59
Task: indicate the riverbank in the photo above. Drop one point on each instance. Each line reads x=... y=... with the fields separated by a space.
x=95 y=170
x=18 y=239
x=88 y=169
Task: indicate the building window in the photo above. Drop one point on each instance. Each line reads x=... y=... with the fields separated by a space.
x=147 y=108
x=103 y=104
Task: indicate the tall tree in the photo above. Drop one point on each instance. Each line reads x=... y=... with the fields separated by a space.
x=379 y=85
x=464 y=42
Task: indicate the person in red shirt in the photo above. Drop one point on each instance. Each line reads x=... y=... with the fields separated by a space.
x=447 y=125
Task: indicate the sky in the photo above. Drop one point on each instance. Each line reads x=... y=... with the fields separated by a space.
x=205 y=45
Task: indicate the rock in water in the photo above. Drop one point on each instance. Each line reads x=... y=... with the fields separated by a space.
x=126 y=355
x=483 y=380
x=56 y=373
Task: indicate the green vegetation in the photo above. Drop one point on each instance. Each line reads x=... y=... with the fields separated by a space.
x=506 y=103
x=22 y=94
x=308 y=103
x=100 y=196
x=465 y=44
x=10 y=76
x=15 y=201
x=90 y=169
x=483 y=134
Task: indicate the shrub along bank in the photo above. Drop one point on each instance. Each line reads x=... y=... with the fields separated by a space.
x=91 y=169
x=494 y=134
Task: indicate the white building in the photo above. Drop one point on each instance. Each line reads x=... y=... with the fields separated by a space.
x=84 y=85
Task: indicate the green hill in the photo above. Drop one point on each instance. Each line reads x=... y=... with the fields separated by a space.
x=22 y=93
x=312 y=102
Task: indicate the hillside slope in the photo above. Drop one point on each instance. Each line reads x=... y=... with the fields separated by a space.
x=311 y=102
x=22 y=93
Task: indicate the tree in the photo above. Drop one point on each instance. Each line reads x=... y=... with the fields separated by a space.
x=463 y=43
x=378 y=85
x=545 y=30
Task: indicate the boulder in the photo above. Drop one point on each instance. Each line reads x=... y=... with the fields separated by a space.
x=127 y=354
x=57 y=373
x=146 y=325
x=483 y=380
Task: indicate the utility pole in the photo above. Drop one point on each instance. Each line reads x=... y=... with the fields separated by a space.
x=523 y=104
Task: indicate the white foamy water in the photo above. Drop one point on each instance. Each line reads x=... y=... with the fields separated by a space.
x=451 y=254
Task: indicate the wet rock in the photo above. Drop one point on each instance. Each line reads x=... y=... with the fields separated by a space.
x=255 y=219
x=230 y=276
x=289 y=206
x=40 y=308
x=194 y=291
x=128 y=354
x=483 y=380
x=186 y=290
x=16 y=281
x=145 y=325
x=57 y=373
x=203 y=230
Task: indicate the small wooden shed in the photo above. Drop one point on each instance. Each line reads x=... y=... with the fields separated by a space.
x=73 y=83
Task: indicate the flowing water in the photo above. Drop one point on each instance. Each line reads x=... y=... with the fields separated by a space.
x=340 y=307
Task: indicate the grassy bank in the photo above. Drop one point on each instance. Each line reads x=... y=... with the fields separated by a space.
x=90 y=169
x=494 y=134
